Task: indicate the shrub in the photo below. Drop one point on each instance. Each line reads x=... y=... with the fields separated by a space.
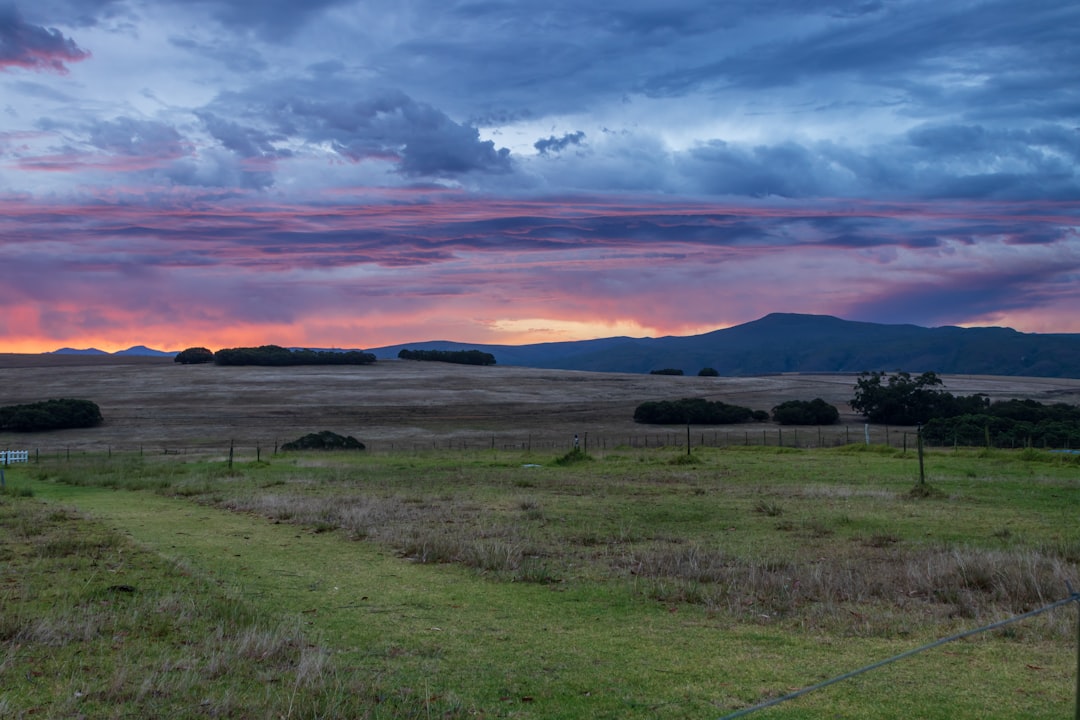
x=666 y=371
x=324 y=440
x=695 y=411
x=708 y=372
x=50 y=415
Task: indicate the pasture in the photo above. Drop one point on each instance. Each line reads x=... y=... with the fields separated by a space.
x=433 y=577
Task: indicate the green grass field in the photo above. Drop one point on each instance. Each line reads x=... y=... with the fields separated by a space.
x=636 y=584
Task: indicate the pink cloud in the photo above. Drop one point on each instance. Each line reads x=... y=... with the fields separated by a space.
x=33 y=47
x=183 y=269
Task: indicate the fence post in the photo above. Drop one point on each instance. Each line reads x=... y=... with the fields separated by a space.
x=918 y=436
x=1076 y=597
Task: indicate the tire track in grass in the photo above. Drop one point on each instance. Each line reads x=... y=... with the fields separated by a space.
x=441 y=631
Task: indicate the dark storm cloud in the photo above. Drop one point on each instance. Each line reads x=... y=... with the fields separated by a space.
x=247 y=142
x=272 y=19
x=900 y=46
x=553 y=144
x=128 y=136
x=388 y=125
x=238 y=58
x=34 y=47
x=951 y=297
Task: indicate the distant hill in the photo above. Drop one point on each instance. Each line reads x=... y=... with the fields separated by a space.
x=137 y=350
x=786 y=342
x=75 y=351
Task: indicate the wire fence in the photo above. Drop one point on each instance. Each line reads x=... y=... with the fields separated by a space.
x=244 y=445
x=540 y=440
x=1071 y=598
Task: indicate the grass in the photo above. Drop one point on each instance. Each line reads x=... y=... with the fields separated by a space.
x=508 y=584
x=94 y=626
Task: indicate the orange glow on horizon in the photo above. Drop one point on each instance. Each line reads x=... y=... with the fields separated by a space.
x=525 y=331
x=498 y=332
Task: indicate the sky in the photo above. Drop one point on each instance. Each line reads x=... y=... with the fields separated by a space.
x=360 y=173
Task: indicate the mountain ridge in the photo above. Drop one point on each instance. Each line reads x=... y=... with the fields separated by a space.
x=780 y=343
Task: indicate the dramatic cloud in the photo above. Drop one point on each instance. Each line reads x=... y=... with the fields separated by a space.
x=555 y=145
x=358 y=173
x=33 y=47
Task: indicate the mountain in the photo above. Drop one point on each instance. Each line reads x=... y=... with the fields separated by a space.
x=787 y=342
x=778 y=343
x=145 y=351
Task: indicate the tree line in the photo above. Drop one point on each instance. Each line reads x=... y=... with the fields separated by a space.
x=462 y=357
x=273 y=355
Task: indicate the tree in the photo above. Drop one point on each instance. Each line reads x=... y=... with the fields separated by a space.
x=708 y=372
x=899 y=399
x=666 y=371
x=194 y=355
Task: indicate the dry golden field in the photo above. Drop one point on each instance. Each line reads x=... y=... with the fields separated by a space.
x=159 y=405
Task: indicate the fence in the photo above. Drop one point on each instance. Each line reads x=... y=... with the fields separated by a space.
x=549 y=439
x=7 y=457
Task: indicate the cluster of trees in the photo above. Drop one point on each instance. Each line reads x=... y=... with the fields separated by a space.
x=901 y=399
x=695 y=411
x=50 y=415
x=462 y=357
x=704 y=372
x=805 y=412
x=1010 y=423
x=273 y=355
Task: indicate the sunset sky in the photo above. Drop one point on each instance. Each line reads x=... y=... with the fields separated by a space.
x=347 y=173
